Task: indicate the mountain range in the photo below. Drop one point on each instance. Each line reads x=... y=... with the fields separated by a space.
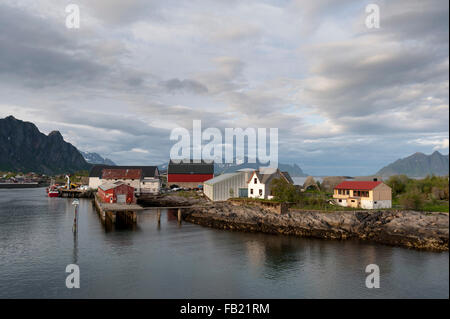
x=24 y=148
x=294 y=170
x=94 y=158
x=219 y=168
x=418 y=165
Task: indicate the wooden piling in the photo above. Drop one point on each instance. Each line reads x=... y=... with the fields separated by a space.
x=179 y=215
x=111 y=216
x=159 y=215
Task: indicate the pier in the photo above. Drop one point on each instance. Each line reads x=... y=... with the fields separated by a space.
x=126 y=213
x=75 y=193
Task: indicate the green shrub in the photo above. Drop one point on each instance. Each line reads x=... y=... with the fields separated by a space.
x=412 y=200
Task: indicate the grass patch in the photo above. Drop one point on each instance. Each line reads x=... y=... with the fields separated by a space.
x=440 y=206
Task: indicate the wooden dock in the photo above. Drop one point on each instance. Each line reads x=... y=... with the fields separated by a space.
x=126 y=213
x=75 y=193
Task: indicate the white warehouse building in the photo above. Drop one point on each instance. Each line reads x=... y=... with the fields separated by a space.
x=226 y=185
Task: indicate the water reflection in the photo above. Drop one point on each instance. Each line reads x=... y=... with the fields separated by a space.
x=37 y=242
x=75 y=248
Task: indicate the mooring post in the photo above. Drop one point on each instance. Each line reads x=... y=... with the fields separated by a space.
x=159 y=215
x=179 y=215
x=74 y=228
x=75 y=203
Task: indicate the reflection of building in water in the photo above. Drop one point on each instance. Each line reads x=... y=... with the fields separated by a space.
x=172 y=214
x=150 y=214
x=256 y=253
x=278 y=255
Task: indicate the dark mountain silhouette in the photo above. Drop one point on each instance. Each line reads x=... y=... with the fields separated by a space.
x=23 y=148
x=418 y=165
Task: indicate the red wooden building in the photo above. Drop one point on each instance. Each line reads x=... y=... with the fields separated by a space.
x=117 y=192
x=189 y=174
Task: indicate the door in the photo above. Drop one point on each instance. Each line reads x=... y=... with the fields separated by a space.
x=121 y=198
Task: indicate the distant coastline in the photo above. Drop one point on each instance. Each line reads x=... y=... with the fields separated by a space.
x=22 y=185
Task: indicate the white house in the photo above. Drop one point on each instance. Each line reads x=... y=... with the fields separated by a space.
x=259 y=184
x=150 y=185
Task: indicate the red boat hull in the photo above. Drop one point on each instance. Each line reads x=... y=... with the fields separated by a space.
x=53 y=194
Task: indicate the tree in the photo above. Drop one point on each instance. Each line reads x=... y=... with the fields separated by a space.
x=284 y=191
x=398 y=184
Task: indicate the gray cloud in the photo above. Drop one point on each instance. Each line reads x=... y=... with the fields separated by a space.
x=175 y=85
x=392 y=80
x=36 y=54
x=312 y=69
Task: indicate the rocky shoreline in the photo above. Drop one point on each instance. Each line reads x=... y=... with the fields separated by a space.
x=410 y=229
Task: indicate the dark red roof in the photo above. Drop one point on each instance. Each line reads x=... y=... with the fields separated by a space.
x=188 y=178
x=358 y=185
x=121 y=173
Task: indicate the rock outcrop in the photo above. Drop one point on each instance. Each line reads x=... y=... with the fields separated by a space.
x=403 y=228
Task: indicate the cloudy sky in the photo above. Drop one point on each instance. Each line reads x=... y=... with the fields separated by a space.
x=346 y=99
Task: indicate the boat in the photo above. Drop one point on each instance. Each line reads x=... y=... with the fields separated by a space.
x=52 y=190
x=53 y=193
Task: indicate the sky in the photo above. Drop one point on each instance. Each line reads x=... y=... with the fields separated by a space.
x=346 y=99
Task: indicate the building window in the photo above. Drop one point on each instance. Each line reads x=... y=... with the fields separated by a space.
x=340 y=201
x=260 y=192
x=353 y=200
x=251 y=191
x=255 y=180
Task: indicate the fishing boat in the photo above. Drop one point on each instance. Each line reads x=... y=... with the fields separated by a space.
x=52 y=190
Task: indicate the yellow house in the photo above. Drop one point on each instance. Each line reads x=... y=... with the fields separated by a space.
x=364 y=194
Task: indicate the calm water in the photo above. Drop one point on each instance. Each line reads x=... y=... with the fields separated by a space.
x=36 y=245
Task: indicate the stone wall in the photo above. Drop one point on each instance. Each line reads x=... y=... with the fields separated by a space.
x=275 y=207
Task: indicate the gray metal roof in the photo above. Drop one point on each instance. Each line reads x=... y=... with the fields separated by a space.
x=267 y=178
x=221 y=178
x=246 y=170
x=109 y=185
